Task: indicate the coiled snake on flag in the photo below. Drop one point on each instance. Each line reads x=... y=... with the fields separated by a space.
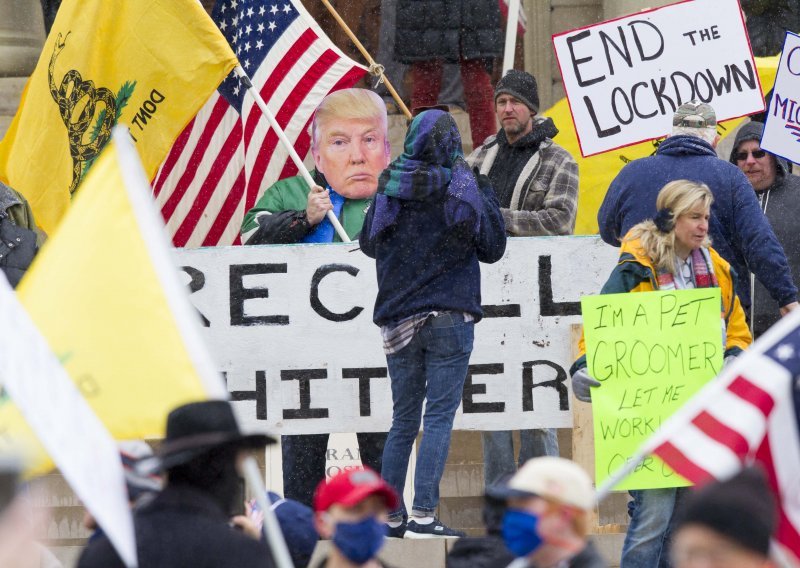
x=72 y=91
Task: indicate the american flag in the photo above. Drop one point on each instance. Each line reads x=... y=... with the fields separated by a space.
x=227 y=156
x=749 y=414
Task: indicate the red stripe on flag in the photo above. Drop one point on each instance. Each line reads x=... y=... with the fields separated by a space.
x=282 y=69
x=173 y=156
x=226 y=212
x=303 y=141
x=752 y=394
x=298 y=95
x=209 y=186
x=722 y=433
x=787 y=534
x=681 y=464
x=220 y=108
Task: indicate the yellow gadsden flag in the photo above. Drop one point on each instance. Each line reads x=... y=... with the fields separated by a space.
x=597 y=172
x=148 y=64
x=106 y=296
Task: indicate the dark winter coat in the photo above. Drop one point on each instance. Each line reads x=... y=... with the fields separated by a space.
x=18 y=242
x=738 y=229
x=182 y=527
x=781 y=204
x=447 y=29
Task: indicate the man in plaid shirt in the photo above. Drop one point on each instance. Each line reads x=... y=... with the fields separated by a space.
x=536 y=182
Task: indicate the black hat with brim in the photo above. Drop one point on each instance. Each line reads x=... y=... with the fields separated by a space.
x=199 y=427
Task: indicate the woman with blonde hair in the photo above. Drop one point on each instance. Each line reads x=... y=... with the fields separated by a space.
x=671 y=251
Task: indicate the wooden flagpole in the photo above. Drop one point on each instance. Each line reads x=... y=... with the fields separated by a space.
x=374 y=68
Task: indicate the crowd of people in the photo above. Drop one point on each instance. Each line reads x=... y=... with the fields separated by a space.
x=683 y=218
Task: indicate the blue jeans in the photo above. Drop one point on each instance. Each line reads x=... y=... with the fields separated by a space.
x=430 y=370
x=498 y=451
x=650 y=531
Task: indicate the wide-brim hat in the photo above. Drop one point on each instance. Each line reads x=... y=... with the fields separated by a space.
x=198 y=427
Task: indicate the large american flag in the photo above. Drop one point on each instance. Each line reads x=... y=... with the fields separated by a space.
x=227 y=155
x=749 y=414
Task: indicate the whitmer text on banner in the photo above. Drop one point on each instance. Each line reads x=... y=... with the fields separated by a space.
x=291 y=328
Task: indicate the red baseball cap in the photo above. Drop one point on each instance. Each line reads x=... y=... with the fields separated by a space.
x=349 y=488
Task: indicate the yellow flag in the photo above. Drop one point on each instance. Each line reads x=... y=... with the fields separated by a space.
x=597 y=172
x=106 y=296
x=148 y=64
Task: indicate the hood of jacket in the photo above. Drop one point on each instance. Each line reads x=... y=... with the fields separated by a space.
x=754 y=131
x=684 y=145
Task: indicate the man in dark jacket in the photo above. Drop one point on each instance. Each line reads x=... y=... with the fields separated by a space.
x=738 y=229
x=187 y=524
x=778 y=193
x=430 y=32
x=536 y=182
x=350 y=145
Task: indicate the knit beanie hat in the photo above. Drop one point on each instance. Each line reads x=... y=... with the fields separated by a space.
x=741 y=509
x=521 y=85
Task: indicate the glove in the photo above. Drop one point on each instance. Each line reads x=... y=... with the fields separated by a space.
x=582 y=383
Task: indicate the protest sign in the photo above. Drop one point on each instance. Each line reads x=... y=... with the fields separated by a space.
x=625 y=78
x=291 y=328
x=782 y=129
x=651 y=352
x=64 y=423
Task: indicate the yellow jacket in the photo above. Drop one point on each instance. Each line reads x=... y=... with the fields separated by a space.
x=635 y=272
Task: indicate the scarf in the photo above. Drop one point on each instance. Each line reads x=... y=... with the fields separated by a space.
x=430 y=169
x=702 y=270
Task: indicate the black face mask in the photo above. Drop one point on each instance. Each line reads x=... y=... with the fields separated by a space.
x=214 y=473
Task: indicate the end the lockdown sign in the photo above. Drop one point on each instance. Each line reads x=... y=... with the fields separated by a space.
x=651 y=352
x=624 y=78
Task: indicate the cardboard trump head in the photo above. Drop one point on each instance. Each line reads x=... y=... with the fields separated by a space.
x=349 y=141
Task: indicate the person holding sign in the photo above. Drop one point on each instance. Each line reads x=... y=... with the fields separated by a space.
x=431 y=224
x=671 y=251
x=739 y=230
x=350 y=145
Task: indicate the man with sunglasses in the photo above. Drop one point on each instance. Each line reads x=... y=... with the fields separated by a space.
x=778 y=193
x=737 y=227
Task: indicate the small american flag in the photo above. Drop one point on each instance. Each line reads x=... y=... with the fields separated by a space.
x=227 y=156
x=749 y=414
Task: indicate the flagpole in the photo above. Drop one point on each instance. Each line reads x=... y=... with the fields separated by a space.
x=374 y=68
x=511 y=35
x=298 y=161
x=271 y=528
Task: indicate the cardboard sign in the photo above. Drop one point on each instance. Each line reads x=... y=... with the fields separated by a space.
x=625 y=78
x=782 y=130
x=291 y=328
x=651 y=352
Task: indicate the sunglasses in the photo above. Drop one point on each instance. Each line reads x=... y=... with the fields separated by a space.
x=757 y=154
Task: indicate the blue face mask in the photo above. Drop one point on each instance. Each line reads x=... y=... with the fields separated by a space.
x=519 y=532
x=361 y=541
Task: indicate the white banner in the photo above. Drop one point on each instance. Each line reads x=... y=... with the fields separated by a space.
x=291 y=327
x=782 y=130
x=625 y=78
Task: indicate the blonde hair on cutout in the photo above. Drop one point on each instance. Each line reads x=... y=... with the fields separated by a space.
x=680 y=197
x=350 y=104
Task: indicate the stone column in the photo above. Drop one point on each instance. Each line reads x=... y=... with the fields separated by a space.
x=616 y=8
x=21 y=37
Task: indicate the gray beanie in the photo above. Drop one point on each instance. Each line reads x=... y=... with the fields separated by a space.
x=520 y=85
